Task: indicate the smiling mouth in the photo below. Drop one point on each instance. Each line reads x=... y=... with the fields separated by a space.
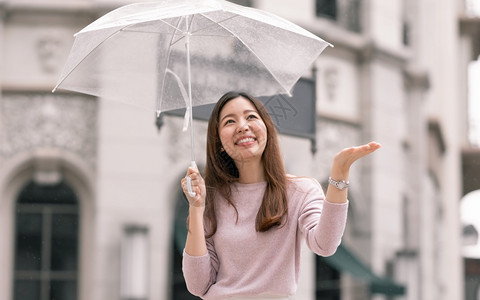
x=246 y=141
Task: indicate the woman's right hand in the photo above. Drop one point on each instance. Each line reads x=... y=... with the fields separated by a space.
x=198 y=186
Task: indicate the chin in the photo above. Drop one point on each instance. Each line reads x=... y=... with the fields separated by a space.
x=249 y=155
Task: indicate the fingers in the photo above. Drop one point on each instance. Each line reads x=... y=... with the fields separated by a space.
x=192 y=170
x=195 y=180
x=196 y=198
x=197 y=185
x=372 y=146
x=361 y=151
x=345 y=158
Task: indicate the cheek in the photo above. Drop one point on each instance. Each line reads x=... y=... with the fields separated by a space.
x=260 y=130
x=225 y=136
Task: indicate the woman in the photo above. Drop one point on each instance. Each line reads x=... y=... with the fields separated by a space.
x=248 y=217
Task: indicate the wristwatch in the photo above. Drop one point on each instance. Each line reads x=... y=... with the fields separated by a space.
x=341 y=185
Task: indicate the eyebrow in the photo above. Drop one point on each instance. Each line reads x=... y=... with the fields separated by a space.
x=244 y=112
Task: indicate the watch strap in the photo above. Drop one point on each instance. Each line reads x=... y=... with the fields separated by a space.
x=341 y=185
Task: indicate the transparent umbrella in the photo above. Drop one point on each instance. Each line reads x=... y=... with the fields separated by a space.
x=165 y=55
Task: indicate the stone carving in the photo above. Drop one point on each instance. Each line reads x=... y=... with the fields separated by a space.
x=331 y=82
x=29 y=121
x=49 y=51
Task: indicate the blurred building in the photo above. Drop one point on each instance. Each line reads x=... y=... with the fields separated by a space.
x=90 y=206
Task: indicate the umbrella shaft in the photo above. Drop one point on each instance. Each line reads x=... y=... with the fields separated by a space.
x=187 y=45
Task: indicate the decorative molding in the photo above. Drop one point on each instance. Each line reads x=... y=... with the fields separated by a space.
x=49 y=52
x=30 y=121
x=370 y=51
x=48 y=6
x=57 y=9
x=331 y=79
x=416 y=78
x=362 y=46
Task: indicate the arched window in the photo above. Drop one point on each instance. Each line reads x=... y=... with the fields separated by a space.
x=46 y=243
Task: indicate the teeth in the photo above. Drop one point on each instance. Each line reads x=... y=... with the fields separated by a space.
x=245 y=140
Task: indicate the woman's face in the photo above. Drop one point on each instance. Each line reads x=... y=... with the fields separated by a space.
x=242 y=131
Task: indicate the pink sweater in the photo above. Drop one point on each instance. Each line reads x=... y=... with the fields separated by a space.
x=243 y=262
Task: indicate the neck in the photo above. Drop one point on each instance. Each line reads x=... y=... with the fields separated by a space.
x=251 y=172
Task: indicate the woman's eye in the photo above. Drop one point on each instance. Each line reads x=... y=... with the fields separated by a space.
x=252 y=117
x=229 y=122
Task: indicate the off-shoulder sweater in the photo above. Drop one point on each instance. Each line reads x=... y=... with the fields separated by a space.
x=243 y=262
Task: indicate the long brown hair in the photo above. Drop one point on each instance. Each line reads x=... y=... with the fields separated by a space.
x=221 y=171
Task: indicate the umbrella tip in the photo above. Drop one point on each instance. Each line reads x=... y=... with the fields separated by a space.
x=158 y=113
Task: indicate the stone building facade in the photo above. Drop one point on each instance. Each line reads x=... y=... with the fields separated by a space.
x=396 y=75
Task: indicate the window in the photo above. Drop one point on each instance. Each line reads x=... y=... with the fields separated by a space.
x=346 y=13
x=327 y=8
x=46 y=243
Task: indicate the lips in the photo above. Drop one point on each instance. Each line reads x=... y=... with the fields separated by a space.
x=246 y=140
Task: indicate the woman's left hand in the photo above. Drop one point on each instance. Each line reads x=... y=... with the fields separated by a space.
x=344 y=159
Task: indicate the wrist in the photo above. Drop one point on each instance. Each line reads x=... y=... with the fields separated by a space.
x=196 y=210
x=337 y=174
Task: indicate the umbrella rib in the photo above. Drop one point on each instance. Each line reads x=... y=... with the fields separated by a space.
x=148 y=32
x=183 y=32
x=167 y=33
x=176 y=28
x=251 y=51
x=74 y=68
x=211 y=25
x=167 y=61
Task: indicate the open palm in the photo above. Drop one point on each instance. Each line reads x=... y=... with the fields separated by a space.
x=344 y=159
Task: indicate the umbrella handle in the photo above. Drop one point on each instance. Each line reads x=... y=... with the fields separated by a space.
x=189 y=187
x=191 y=193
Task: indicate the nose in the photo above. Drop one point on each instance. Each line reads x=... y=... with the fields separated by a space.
x=243 y=127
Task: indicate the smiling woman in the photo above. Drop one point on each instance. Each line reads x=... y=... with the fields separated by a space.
x=243 y=132
x=248 y=218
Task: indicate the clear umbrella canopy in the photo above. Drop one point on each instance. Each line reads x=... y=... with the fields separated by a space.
x=149 y=54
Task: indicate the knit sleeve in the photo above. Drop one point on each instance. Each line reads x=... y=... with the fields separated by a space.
x=200 y=272
x=322 y=223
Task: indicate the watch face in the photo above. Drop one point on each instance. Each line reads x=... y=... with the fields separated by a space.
x=341 y=185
